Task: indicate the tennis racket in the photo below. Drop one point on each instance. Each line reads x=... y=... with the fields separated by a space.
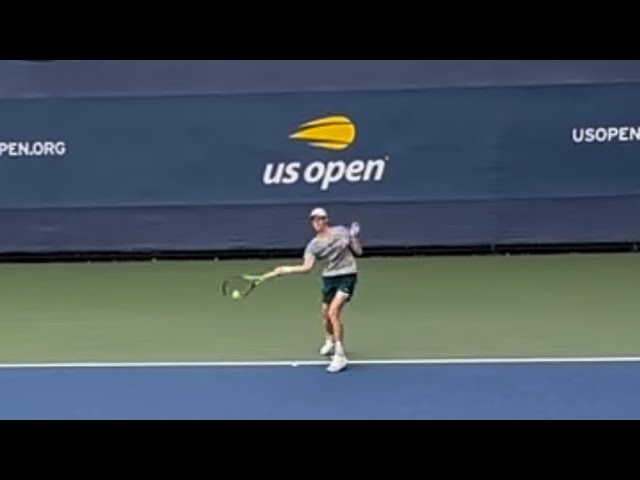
x=240 y=286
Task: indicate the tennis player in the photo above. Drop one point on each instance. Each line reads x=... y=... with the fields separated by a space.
x=335 y=248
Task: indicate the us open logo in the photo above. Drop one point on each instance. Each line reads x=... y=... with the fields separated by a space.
x=333 y=133
x=330 y=133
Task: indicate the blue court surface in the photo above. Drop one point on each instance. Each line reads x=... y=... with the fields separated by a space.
x=608 y=390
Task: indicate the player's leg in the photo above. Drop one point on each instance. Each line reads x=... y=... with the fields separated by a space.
x=339 y=360
x=335 y=317
x=336 y=293
x=329 y=289
x=327 y=348
x=344 y=289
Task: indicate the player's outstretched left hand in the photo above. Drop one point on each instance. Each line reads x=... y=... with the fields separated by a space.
x=355 y=229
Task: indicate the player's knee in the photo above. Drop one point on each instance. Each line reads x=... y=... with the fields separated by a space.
x=334 y=315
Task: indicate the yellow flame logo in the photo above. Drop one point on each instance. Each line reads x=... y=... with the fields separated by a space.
x=331 y=133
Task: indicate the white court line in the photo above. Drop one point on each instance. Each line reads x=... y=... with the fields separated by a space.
x=289 y=363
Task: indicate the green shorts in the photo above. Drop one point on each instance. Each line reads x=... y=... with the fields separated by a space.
x=339 y=283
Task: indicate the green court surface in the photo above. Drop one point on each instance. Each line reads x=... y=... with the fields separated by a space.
x=405 y=308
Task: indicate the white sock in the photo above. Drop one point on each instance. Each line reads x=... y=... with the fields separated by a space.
x=339 y=348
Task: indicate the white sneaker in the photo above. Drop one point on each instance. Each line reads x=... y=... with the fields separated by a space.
x=327 y=348
x=338 y=363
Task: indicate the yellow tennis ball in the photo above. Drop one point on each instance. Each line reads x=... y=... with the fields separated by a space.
x=236 y=294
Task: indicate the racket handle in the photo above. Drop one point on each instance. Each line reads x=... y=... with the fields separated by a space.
x=268 y=276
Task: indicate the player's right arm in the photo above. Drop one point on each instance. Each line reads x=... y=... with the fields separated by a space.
x=306 y=267
x=307 y=264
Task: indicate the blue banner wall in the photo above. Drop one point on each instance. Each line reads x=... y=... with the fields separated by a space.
x=111 y=78
x=446 y=166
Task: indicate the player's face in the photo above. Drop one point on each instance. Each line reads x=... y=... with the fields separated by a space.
x=319 y=223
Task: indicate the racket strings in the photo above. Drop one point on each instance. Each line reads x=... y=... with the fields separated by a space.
x=236 y=284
